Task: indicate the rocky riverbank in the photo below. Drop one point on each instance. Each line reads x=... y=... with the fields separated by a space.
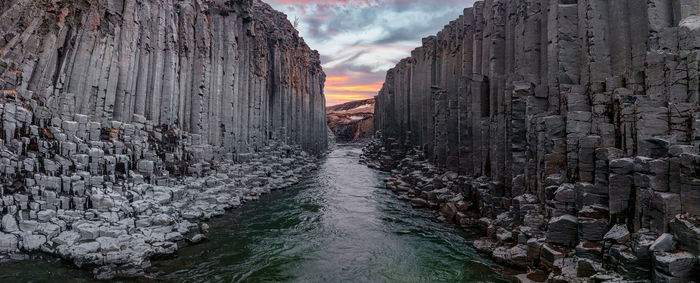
x=568 y=130
x=111 y=196
x=518 y=233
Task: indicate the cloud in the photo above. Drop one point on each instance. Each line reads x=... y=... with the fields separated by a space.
x=359 y=40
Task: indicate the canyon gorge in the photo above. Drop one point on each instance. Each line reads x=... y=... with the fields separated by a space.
x=529 y=140
x=566 y=130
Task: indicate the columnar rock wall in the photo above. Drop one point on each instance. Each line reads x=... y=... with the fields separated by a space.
x=126 y=124
x=235 y=73
x=579 y=105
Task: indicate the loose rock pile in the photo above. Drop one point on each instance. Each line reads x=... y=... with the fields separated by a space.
x=113 y=195
x=570 y=239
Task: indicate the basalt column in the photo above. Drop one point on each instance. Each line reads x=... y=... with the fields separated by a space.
x=584 y=112
x=235 y=73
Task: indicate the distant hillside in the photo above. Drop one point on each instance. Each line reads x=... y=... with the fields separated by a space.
x=352 y=121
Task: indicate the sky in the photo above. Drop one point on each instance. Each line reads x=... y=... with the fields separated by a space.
x=359 y=40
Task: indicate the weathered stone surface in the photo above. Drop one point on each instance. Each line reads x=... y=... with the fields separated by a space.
x=665 y=243
x=687 y=231
x=563 y=230
x=237 y=77
x=8 y=243
x=680 y=265
x=32 y=242
x=618 y=234
x=590 y=106
x=9 y=223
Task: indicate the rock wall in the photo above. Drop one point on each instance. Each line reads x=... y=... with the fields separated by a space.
x=352 y=121
x=584 y=112
x=235 y=73
x=127 y=124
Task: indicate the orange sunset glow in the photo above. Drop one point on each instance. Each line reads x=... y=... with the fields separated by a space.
x=359 y=40
x=341 y=89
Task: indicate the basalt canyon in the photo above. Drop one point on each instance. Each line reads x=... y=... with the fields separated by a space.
x=528 y=141
x=568 y=131
x=125 y=124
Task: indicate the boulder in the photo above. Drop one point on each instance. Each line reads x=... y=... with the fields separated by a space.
x=145 y=167
x=484 y=246
x=66 y=238
x=664 y=243
x=589 y=250
x=32 y=242
x=687 y=234
x=8 y=243
x=590 y=229
x=587 y=267
x=88 y=231
x=419 y=202
x=618 y=234
x=562 y=230
x=679 y=265
x=9 y=223
x=549 y=254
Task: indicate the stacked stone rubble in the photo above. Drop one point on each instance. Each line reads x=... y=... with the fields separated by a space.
x=583 y=112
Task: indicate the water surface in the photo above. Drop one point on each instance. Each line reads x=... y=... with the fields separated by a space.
x=339 y=225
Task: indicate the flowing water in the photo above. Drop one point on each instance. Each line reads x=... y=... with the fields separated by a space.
x=339 y=225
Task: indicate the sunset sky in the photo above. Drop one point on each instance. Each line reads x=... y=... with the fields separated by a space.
x=359 y=40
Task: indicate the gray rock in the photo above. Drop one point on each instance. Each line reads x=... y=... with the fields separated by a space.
x=618 y=234
x=87 y=231
x=67 y=238
x=563 y=230
x=108 y=244
x=587 y=268
x=83 y=249
x=664 y=243
x=679 y=265
x=32 y=242
x=8 y=243
x=591 y=229
x=687 y=234
x=9 y=223
x=197 y=238
x=29 y=226
x=145 y=166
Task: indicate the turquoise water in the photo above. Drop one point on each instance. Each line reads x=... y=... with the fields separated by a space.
x=339 y=225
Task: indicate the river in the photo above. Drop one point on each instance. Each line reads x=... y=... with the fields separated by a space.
x=338 y=225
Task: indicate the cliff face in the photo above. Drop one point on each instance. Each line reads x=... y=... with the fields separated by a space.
x=234 y=72
x=125 y=124
x=352 y=121
x=557 y=108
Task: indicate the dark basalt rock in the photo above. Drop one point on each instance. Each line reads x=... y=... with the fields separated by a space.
x=590 y=106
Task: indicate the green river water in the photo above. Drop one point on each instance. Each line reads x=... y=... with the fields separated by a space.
x=338 y=225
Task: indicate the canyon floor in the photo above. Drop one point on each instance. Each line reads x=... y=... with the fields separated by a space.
x=339 y=223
